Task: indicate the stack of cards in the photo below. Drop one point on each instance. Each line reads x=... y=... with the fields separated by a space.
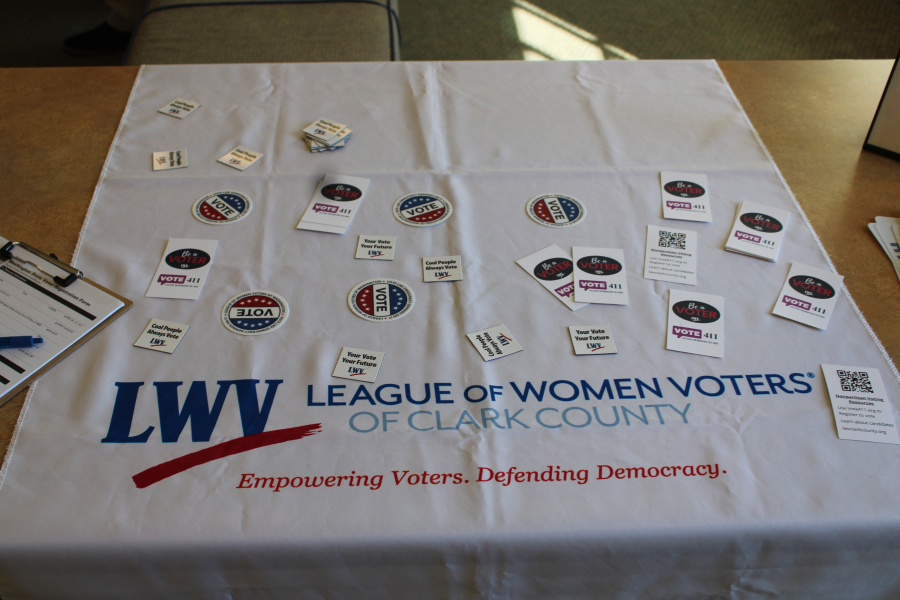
x=332 y=207
x=758 y=231
x=887 y=231
x=326 y=134
x=808 y=296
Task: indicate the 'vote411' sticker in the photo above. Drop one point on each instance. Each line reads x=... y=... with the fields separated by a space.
x=808 y=296
x=600 y=275
x=696 y=323
x=685 y=196
x=183 y=269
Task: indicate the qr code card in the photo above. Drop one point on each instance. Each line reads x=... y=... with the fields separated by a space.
x=862 y=409
x=671 y=255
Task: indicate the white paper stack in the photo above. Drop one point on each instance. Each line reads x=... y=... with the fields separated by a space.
x=336 y=200
x=326 y=134
x=758 y=231
x=887 y=231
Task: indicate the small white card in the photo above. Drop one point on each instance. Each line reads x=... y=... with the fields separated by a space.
x=592 y=339
x=758 y=231
x=600 y=275
x=671 y=255
x=240 y=158
x=162 y=336
x=183 y=269
x=442 y=268
x=808 y=296
x=685 y=196
x=335 y=201
x=359 y=365
x=494 y=342
x=696 y=323
x=862 y=410
x=376 y=247
x=324 y=130
x=179 y=108
x=552 y=268
x=169 y=159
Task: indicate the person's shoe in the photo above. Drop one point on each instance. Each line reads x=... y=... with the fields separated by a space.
x=102 y=40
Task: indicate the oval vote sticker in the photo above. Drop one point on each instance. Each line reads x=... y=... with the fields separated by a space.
x=381 y=300
x=187 y=258
x=553 y=269
x=684 y=189
x=696 y=312
x=222 y=208
x=813 y=287
x=554 y=210
x=599 y=265
x=422 y=210
x=341 y=192
x=761 y=222
x=255 y=313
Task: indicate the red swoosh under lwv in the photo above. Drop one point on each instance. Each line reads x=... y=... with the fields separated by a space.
x=183 y=463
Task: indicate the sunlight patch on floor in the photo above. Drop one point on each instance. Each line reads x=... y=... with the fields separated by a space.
x=545 y=36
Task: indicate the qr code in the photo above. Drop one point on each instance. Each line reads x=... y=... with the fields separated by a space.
x=668 y=239
x=855 y=381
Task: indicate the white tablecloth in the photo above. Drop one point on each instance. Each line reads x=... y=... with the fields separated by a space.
x=780 y=505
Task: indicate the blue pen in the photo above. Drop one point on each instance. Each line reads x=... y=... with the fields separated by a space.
x=20 y=341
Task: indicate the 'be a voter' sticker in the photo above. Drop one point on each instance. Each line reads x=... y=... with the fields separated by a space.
x=381 y=300
x=222 y=208
x=422 y=210
x=255 y=313
x=554 y=210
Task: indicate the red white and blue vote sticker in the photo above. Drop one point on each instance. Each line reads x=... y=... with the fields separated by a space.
x=255 y=313
x=422 y=210
x=221 y=208
x=555 y=210
x=381 y=300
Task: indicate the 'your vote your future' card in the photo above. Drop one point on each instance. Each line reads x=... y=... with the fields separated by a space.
x=696 y=323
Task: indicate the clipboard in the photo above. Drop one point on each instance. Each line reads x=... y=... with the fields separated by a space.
x=71 y=275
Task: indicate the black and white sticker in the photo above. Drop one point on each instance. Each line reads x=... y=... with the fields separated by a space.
x=179 y=108
x=169 y=159
x=240 y=158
